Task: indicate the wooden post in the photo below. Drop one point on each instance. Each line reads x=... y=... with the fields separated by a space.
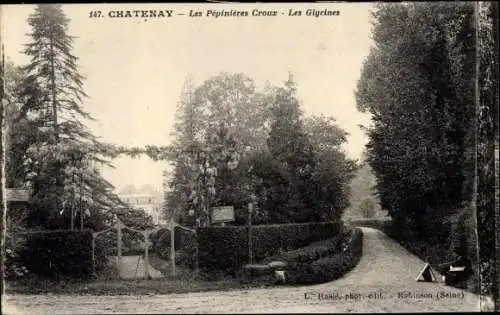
x=72 y=214
x=119 y=242
x=81 y=204
x=172 y=246
x=93 y=252
x=472 y=227
x=197 y=261
x=250 y=205
x=146 y=256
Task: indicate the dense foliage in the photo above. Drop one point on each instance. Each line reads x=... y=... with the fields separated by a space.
x=13 y=244
x=49 y=149
x=59 y=253
x=487 y=125
x=226 y=248
x=419 y=85
x=408 y=84
x=332 y=266
x=235 y=145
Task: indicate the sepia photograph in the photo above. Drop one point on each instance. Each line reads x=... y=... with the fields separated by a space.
x=328 y=157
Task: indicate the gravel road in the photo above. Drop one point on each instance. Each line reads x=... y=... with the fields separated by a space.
x=383 y=281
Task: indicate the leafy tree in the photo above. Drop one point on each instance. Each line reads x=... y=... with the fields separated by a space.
x=418 y=84
x=234 y=145
x=19 y=133
x=415 y=79
x=323 y=133
x=217 y=124
x=59 y=154
x=290 y=147
x=333 y=171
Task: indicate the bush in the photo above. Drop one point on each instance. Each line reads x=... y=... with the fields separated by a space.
x=13 y=266
x=312 y=252
x=14 y=244
x=226 y=248
x=60 y=253
x=331 y=267
x=161 y=243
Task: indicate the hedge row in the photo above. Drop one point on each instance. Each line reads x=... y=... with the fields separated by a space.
x=330 y=267
x=59 y=253
x=313 y=251
x=226 y=248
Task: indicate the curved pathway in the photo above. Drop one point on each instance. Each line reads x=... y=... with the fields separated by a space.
x=383 y=281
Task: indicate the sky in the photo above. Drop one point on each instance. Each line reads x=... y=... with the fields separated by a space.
x=135 y=68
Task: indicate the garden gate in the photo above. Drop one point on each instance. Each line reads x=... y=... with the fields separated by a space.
x=149 y=272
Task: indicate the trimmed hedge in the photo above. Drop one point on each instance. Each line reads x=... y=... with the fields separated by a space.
x=59 y=253
x=313 y=251
x=226 y=248
x=330 y=267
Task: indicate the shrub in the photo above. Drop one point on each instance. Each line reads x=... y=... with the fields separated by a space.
x=13 y=266
x=60 y=253
x=310 y=253
x=330 y=267
x=222 y=249
x=161 y=243
x=226 y=248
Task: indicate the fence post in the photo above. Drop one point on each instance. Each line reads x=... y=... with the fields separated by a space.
x=93 y=252
x=119 y=242
x=250 y=208
x=146 y=256
x=172 y=246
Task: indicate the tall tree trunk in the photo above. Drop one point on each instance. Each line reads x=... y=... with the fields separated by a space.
x=53 y=87
x=54 y=120
x=2 y=156
x=473 y=244
x=81 y=203
x=487 y=156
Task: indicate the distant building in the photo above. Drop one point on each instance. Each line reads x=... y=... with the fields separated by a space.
x=146 y=198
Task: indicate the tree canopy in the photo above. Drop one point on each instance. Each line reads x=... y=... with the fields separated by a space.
x=235 y=145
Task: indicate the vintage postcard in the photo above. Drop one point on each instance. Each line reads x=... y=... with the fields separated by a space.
x=328 y=157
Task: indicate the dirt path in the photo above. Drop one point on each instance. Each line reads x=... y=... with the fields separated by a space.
x=383 y=281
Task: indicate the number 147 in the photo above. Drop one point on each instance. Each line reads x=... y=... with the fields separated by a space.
x=95 y=14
